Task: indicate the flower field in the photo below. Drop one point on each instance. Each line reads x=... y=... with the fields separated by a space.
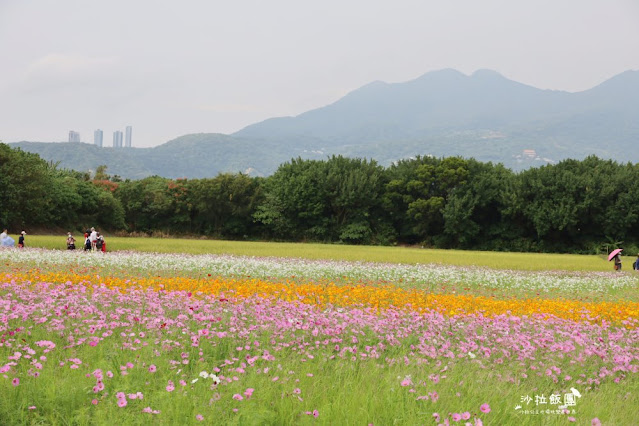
x=142 y=338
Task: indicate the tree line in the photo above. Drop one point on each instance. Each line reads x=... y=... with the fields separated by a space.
x=572 y=206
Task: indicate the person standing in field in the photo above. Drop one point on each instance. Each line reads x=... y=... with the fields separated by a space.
x=70 y=242
x=618 y=262
x=103 y=243
x=94 y=238
x=21 y=239
x=98 y=242
x=635 y=265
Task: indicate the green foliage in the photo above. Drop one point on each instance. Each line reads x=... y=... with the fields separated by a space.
x=420 y=189
x=37 y=193
x=575 y=203
x=574 y=206
x=24 y=180
x=223 y=206
x=477 y=213
x=334 y=200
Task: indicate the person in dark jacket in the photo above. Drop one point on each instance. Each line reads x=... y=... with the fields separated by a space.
x=21 y=239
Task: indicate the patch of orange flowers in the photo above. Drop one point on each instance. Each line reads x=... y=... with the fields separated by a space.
x=376 y=296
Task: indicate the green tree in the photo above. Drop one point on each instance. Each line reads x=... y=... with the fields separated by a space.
x=24 y=179
x=154 y=204
x=334 y=200
x=224 y=206
x=417 y=193
x=477 y=214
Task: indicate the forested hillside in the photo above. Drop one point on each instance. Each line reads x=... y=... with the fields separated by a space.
x=442 y=113
x=191 y=156
x=574 y=206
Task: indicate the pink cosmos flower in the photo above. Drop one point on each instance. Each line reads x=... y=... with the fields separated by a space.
x=465 y=415
x=15 y=381
x=315 y=413
x=238 y=397
x=595 y=422
x=436 y=416
x=32 y=407
x=571 y=419
x=199 y=417
x=456 y=417
x=485 y=408
x=122 y=403
x=248 y=392
x=152 y=368
x=297 y=391
x=94 y=401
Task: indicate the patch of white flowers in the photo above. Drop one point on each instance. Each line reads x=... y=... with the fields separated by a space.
x=422 y=276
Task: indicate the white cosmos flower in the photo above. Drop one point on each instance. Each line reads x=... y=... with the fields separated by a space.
x=204 y=375
x=419 y=276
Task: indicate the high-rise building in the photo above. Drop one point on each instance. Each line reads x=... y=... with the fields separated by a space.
x=97 y=138
x=117 y=139
x=74 y=136
x=129 y=135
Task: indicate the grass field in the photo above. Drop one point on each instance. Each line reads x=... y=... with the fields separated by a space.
x=158 y=332
x=408 y=255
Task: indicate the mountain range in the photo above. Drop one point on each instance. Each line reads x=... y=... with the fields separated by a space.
x=442 y=113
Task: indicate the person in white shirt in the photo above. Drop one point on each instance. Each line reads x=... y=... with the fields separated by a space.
x=94 y=238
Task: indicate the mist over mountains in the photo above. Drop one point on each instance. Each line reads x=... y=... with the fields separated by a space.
x=442 y=113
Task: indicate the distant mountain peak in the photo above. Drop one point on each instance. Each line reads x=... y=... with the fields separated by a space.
x=445 y=73
x=486 y=73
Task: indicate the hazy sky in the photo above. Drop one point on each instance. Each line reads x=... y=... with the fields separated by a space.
x=169 y=68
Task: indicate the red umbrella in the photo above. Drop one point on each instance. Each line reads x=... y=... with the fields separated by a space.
x=613 y=254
